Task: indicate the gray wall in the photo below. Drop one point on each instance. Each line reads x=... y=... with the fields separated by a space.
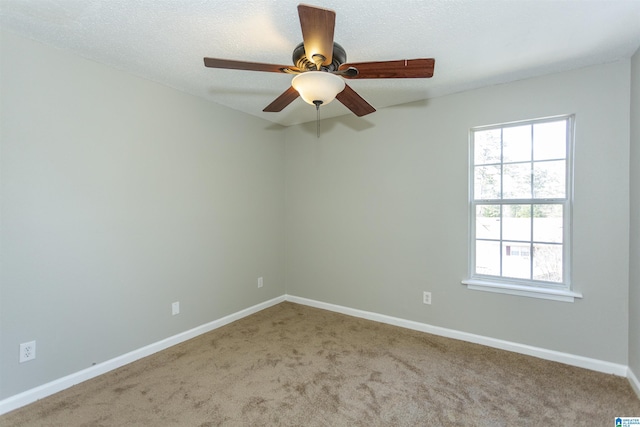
x=634 y=252
x=377 y=216
x=120 y=196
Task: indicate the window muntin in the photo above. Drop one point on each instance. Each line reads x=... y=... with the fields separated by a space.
x=520 y=202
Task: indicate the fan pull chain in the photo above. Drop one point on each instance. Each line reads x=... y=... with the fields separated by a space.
x=317 y=104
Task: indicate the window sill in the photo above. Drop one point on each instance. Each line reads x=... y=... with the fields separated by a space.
x=521 y=290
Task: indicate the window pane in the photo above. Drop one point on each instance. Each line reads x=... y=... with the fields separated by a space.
x=547 y=262
x=488 y=258
x=486 y=147
x=516 y=260
x=487 y=182
x=516 y=144
x=548 y=223
x=517 y=181
x=549 y=179
x=550 y=140
x=521 y=201
x=516 y=222
x=488 y=222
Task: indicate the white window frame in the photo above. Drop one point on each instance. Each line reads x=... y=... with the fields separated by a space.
x=525 y=287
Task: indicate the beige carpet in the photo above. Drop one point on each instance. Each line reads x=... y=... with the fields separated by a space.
x=299 y=366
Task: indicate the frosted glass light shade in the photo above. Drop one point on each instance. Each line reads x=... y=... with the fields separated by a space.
x=318 y=86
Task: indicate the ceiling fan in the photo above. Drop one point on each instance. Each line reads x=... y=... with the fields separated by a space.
x=320 y=67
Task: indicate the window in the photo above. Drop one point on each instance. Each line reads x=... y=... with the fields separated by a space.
x=520 y=208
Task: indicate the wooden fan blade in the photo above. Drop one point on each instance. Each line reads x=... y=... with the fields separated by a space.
x=317 y=32
x=402 y=69
x=354 y=102
x=249 y=66
x=287 y=97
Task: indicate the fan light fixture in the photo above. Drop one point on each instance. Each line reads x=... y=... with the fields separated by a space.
x=322 y=64
x=318 y=87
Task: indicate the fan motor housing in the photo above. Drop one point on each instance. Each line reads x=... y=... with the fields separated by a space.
x=300 y=59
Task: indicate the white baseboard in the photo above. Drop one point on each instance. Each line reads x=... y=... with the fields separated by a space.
x=44 y=390
x=556 y=356
x=635 y=383
x=37 y=393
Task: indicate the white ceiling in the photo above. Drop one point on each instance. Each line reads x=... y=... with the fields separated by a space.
x=475 y=42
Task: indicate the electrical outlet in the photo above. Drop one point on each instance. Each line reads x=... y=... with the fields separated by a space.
x=175 y=308
x=426 y=297
x=260 y=282
x=27 y=351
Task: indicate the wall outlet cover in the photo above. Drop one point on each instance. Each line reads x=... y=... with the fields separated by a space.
x=27 y=351
x=426 y=297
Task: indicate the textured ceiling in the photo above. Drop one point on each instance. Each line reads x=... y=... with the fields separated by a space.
x=475 y=42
